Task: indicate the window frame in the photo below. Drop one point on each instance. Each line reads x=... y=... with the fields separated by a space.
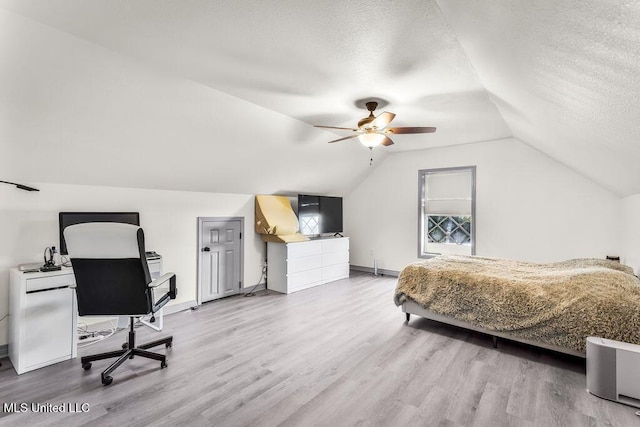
x=422 y=173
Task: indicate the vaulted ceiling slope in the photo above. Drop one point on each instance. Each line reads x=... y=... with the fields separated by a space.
x=565 y=76
x=152 y=76
x=228 y=91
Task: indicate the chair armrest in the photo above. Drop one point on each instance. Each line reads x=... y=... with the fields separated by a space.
x=171 y=294
x=160 y=280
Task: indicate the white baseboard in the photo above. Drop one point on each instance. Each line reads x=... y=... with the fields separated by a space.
x=174 y=308
x=381 y=271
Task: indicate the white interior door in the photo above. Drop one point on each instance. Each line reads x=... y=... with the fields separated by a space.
x=220 y=257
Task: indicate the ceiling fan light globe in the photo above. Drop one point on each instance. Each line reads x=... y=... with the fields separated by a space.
x=371 y=140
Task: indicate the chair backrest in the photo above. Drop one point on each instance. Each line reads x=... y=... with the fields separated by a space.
x=110 y=267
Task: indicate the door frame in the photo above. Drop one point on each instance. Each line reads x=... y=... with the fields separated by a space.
x=202 y=219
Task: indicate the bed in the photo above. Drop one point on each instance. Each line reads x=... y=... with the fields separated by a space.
x=554 y=306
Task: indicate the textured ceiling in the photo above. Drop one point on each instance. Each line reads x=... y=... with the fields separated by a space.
x=566 y=77
x=562 y=74
x=306 y=59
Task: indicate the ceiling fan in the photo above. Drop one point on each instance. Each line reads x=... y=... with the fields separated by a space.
x=373 y=131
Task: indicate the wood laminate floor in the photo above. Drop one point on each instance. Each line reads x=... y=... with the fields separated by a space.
x=336 y=355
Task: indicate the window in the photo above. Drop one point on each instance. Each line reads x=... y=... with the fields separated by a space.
x=447 y=210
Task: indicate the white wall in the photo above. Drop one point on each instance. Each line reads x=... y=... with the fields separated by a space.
x=528 y=207
x=631 y=231
x=29 y=223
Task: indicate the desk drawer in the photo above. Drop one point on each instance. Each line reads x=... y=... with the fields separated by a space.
x=51 y=282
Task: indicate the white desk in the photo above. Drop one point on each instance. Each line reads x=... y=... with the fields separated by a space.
x=43 y=317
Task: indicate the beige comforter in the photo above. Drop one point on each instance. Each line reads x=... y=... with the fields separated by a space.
x=559 y=303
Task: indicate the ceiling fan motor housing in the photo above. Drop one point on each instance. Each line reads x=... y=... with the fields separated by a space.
x=371 y=106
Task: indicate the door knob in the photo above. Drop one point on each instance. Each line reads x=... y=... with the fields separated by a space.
x=206 y=249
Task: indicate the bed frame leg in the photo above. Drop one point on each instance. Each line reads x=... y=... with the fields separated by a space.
x=408 y=316
x=495 y=341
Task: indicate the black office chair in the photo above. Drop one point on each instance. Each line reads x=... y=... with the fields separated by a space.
x=112 y=278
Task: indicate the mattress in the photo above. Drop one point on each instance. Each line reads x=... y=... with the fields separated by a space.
x=558 y=304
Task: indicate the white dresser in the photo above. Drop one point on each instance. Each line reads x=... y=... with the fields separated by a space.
x=300 y=265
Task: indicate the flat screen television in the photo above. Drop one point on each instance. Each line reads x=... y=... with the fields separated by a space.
x=319 y=214
x=66 y=219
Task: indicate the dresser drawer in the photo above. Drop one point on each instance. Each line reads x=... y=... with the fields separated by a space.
x=332 y=258
x=304 y=249
x=302 y=286
x=335 y=272
x=303 y=280
x=296 y=265
x=335 y=245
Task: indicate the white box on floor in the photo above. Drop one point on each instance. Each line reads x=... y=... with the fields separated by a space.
x=613 y=370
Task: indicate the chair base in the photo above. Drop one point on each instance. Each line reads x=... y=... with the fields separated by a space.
x=129 y=351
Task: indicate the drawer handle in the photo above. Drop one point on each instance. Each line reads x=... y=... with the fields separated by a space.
x=47 y=289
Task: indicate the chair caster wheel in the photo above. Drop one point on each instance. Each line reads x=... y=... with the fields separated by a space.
x=125 y=346
x=163 y=364
x=107 y=380
x=168 y=345
x=86 y=366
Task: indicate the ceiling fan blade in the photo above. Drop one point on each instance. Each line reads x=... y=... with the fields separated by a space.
x=387 y=141
x=334 y=127
x=401 y=130
x=342 y=139
x=382 y=120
